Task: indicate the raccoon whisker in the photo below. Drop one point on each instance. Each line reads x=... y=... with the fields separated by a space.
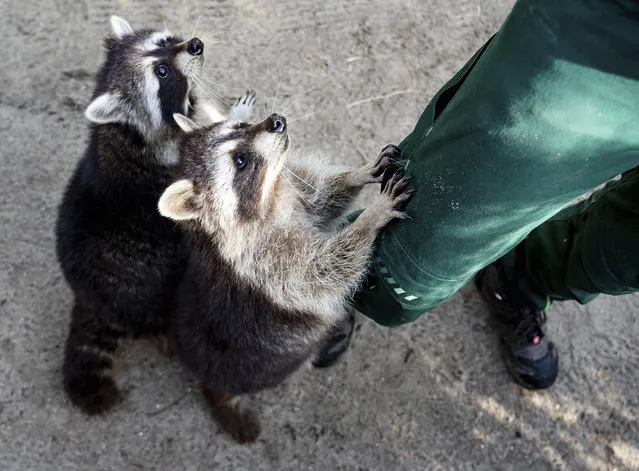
x=166 y=29
x=214 y=98
x=305 y=116
x=287 y=106
x=214 y=31
x=196 y=23
x=289 y=182
x=210 y=35
x=275 y=100
x=295 y=189
x=295 y=98
x=299 y=178
x=208 y=91
x=210 y=41
x=210 y=82
x=209 y=86
x=203 y=86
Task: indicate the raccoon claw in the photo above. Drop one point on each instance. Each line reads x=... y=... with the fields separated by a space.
x=249 y=98
x=400 y=186
x=391 y=151
x=242 y=110
x=396 y=190
x=402 y=215
x=392 y=180
x=387 y=160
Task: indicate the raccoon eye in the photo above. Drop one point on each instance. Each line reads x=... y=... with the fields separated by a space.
x=164 y=43
x=239 y=161
x=162 y=71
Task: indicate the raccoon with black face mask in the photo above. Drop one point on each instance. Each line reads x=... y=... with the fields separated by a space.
x=120 y=257
x=271 y=266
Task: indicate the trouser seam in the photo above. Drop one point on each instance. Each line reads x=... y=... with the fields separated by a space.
x=425 y=271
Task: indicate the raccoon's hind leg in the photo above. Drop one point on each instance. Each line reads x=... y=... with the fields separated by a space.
x=242 y=110
x=88 y=361
x=242 y=424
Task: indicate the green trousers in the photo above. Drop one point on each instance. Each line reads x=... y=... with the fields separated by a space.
x=544 y=112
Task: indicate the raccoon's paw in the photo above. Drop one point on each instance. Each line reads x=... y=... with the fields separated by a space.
x=244 y=427
x=93 y=393
x=385 y=164
x=393 y=198
x=242 y=110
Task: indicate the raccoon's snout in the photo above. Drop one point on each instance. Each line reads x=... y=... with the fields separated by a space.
x=276 y=123
x=195 y=47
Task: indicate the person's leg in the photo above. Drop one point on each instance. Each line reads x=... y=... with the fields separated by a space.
x=586 y=249
x=544 y=112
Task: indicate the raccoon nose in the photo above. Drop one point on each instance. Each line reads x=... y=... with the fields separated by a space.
x=195 y=47
x=276 y=123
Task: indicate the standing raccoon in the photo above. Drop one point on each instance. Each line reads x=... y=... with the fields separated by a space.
x=270 y=268
x=120 y=257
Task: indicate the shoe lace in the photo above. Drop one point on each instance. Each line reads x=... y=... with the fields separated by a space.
x=530 y=324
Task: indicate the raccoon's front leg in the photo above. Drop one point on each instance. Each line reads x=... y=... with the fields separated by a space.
x=207 y=113
x=346 y=255
x=242 y=424
x=332 y=197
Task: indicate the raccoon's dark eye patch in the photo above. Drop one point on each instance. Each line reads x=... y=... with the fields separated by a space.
x=164 y=43
x=240 y=161
x=162 y=71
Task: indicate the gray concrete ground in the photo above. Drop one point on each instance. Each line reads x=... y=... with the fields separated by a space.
x=432 y=395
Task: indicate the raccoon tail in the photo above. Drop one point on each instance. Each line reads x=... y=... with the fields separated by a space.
x=88 y=361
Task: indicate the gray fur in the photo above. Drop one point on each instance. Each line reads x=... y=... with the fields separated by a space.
x=269 y=272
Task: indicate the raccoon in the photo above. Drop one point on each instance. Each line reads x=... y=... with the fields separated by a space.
x=271 y=265
x=123 y=260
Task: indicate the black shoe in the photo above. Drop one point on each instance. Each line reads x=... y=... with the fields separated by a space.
x=337 y=343
x=531 y=358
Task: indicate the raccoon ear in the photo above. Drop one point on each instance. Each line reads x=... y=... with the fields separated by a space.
x=105 y=109
x=120 y=27
x=185 y=123
x=180 y=201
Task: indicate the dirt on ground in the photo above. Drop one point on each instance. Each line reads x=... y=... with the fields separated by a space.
x=353 y=75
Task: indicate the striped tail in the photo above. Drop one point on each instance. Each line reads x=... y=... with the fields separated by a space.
x=88 y=361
